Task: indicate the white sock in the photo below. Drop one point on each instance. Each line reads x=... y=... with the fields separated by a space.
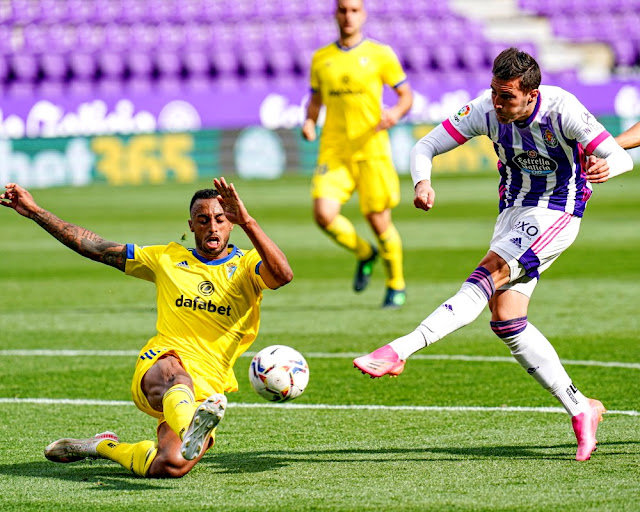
x=538 y=357
x=460 y=310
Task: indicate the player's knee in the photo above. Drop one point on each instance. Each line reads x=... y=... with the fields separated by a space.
x=169 y=466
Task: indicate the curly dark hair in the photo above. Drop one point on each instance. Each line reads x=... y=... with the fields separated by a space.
x=513 y=63
x=205 y=193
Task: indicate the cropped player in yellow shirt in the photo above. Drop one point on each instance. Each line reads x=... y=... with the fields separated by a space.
x=348 y=77
x=208 y=301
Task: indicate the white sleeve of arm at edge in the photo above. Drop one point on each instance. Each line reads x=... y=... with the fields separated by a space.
x=436 y=142
x=618 y=159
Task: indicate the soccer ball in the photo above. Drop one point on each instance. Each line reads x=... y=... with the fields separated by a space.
x=279 y=373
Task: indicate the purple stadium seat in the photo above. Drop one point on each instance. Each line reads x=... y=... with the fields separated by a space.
x=131 y=12
x=4 y=69
x=110 y=87
x=472 y=57
x=83 y=66
x=198 y=35
x=116 y=37
x=168 y=63
x=81 y=87
x=79 y=11
x=225 y=64
x=169 y=85
x=20 y=89
x=54 y=66
x=170 y=36
x=625 y=52
x=444 y=57
x=25 y=66
x=142 y=36
x=139 y=64
x=197 y=84
x=139 y=85
x=24 y=12
x=62 y=38
x=107 y=11
x=111 y=65
x=416 y=58
x=280 y=62
x=158 y=11
x=35 y=38
x=253 y=63
x=51 y=88
x=53 y=11
x=196 y=62
x=90 y=37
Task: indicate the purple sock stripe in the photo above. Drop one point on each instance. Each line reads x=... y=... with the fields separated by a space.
x=481 y=277
x=508 y=328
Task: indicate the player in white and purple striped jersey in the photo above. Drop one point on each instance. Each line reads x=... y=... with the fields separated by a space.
x=550 y=149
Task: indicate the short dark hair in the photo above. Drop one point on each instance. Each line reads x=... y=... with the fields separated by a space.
x=205 y=193
x=513 y=63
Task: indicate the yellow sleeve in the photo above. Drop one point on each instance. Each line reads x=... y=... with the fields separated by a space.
x=252 y=262
x=142 y=261
x=392 y=72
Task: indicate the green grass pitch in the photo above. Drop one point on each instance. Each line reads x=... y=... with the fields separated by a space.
x=447 y=434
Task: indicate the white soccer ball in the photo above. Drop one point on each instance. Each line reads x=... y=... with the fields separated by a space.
x=279 y=373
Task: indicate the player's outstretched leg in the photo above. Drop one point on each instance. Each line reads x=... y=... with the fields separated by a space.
x=72 y=450
x=205 y=419
x=585 y=425
x=383 y=361
x=364 y=271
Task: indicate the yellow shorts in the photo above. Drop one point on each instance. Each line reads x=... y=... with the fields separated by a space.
x=149 y=355
x=375 y=179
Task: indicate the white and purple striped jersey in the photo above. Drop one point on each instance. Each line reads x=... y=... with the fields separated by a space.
x=540 y=159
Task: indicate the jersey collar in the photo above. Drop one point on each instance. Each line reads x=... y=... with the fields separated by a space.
x=349 y=48
x=232 y=253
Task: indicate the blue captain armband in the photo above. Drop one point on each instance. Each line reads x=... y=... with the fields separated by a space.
x=131 y=251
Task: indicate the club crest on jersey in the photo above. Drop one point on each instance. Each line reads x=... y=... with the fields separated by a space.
x=206 y=288
x=231 y=269
x=534 y=163
x=549 y=138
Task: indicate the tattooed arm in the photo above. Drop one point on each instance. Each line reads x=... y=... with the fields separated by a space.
x=81 y=240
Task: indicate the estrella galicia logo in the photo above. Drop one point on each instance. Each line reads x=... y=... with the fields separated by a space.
x=206 y=288
x=534 y=163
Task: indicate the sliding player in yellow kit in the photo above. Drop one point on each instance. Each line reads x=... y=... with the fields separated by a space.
x=348 y=77
x=208 y=301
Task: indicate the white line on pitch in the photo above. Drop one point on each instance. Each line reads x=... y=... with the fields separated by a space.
x=266 y=405
x=319 y=355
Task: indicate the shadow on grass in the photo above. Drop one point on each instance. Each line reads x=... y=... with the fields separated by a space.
x=99 y=475
x=105 y=475
x=250 y=462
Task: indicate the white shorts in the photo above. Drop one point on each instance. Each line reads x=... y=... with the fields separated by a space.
x=530 y=239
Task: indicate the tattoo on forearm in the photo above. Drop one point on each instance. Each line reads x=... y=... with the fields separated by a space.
x=82 y=241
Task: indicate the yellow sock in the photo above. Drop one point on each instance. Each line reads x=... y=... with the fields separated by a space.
x=178 y=406
x=344 y=233
x=391 y=254
x=135 y=457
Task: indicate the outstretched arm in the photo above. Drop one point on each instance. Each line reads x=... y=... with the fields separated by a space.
x=630 y=138
x=82 y=241
x=275 y=269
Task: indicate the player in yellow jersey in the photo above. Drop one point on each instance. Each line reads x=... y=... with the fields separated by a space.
x=630 y=138
x=348 y=77
x=208 y=302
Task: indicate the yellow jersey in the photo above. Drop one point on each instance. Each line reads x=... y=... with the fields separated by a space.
x=208 y=311
x=351 y=81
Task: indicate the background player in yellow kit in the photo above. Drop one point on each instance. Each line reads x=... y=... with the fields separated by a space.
x=208 y=301
x=348 y=77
